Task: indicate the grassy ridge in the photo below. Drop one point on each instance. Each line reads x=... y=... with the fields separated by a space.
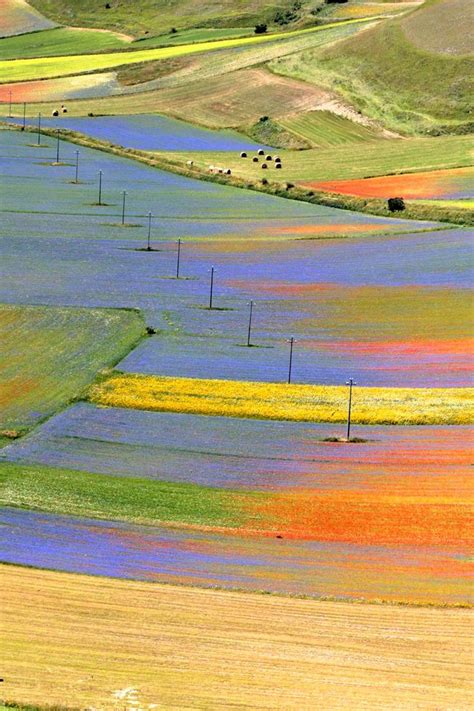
x=50 y=354
x=275 y=401
x=47 y=67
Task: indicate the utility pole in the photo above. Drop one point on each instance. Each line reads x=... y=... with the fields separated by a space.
x=77 y=168
x=211 y=290
x=39 y=129
x=124 y=195
x=178 y=258
x=250 y=324
x=100 y=187
x=57 y=145
x=291 y=341
x=351 y=382
x=149 y=232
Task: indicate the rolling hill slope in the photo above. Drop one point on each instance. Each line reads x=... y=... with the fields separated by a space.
x=403 y=72
x=157 y=16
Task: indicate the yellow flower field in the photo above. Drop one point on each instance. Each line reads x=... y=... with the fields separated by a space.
x=278 y=401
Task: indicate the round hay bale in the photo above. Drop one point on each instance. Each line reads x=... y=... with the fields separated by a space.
x=243 y=154
x=277 y=159
x=261 y=152
x=189 y=162
x=278 y=166
x=255 y=159
x=64 y=109
x=228 y=171
x=55 y=113
x=264 y=166
x=269 y=158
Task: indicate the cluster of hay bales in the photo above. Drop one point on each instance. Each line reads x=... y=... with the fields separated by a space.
x=267 y=159
x=62 y=110
x=215 y=170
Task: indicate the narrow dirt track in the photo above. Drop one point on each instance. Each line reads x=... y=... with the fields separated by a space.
x=89 y=642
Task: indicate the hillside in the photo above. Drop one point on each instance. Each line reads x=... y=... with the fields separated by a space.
x=402 y=72
x=158 y=16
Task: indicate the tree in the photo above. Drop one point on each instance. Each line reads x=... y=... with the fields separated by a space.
x=261 y=28
x=396 y=204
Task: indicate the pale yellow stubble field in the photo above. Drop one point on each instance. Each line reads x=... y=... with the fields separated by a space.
x=97 y=643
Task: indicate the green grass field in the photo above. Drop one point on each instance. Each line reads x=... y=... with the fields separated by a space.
x=323 y=129
x=59 y=42
x=388 y=78
x=363 y=160
x=136 y=500
x=48 y=67
x=196 y=34
x=49 y=355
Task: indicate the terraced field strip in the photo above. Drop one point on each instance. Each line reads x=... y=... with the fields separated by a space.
x=311 y=403
x=49 y=354
x=389 y=511
x=50 y=67
x=233 y=453
x=424 y=575
x=323 y=128
x=195 y=34
x=60 y=41
x=143 y=642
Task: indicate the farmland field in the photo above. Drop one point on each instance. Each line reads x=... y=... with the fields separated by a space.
x=192 y=86
x=420 y=574
x=365 y=160
x=455 y=184
x=285 y=402
x=307 y=652
x=66 y=348
x=232 y=453
x=323 y=128
x=154 y=132
x=48 y=67
x=298 y=284
x=236 y=379
x=59 y=42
